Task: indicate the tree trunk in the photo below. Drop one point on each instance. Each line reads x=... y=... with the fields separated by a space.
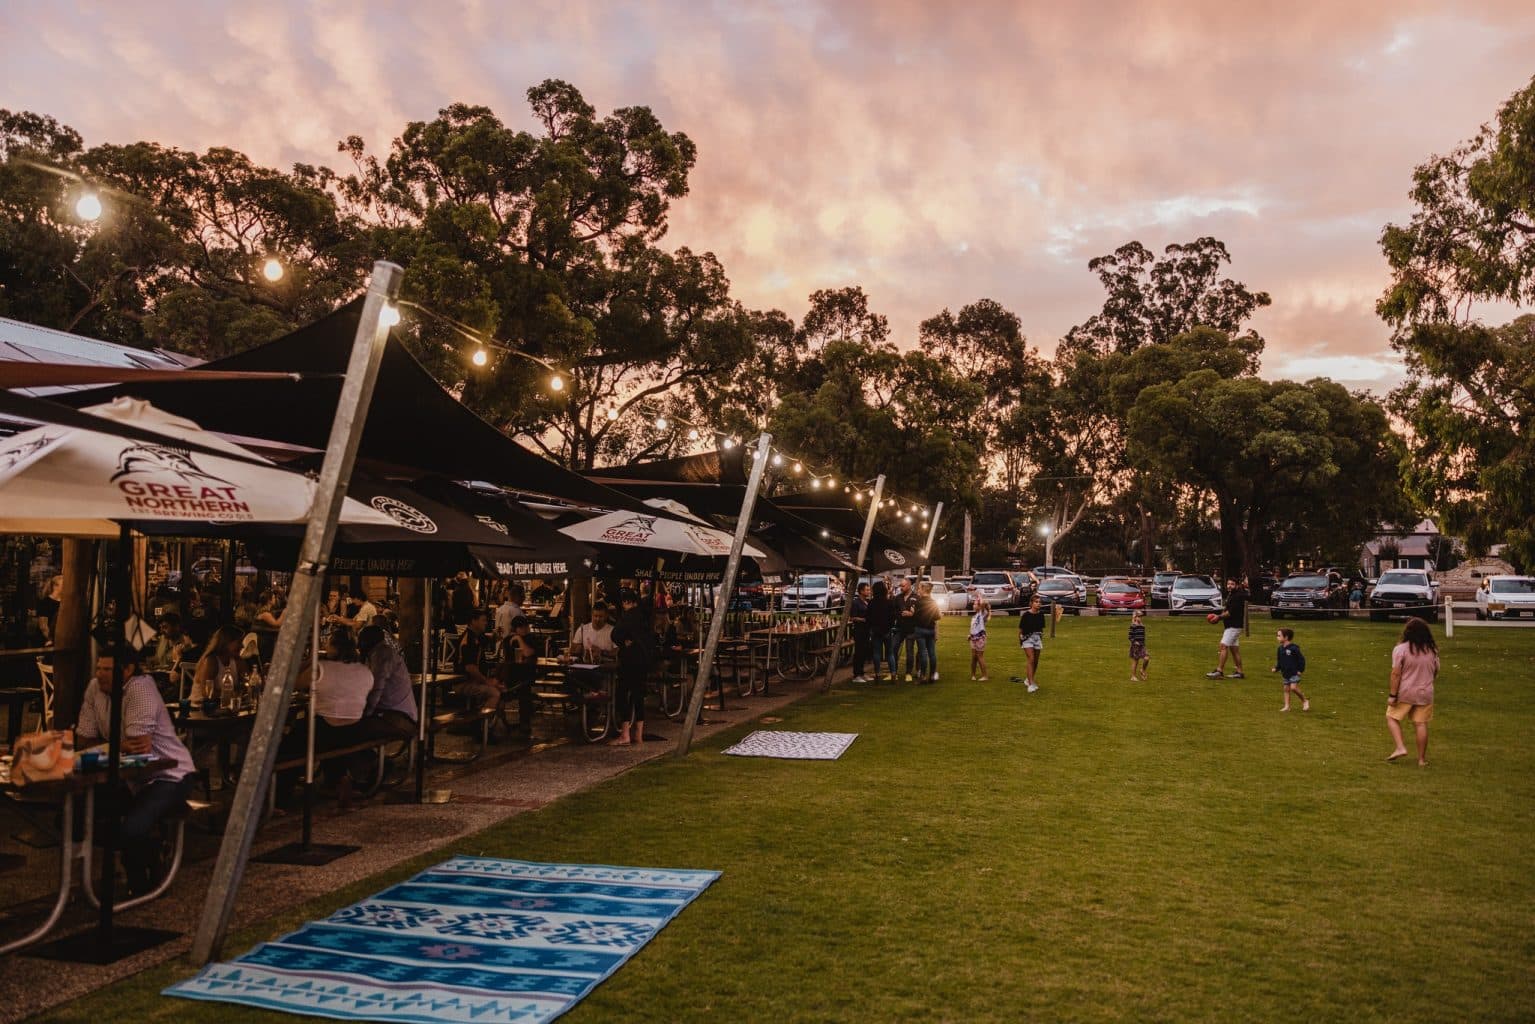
x=1233 y=543
x=1148 y=536
x=71 y=634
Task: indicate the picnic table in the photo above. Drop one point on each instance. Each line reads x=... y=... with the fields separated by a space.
x=61 y=794
x=556 y=692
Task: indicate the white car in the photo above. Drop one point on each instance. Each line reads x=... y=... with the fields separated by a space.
x=1194 y=592
x=996 y=587
x=952 y=596
x=1505 y=597
x=811 y=594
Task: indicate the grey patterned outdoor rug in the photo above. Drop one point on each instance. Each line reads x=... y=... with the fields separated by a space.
x=795 y=746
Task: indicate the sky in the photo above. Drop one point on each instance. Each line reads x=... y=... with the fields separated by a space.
x=934 y=153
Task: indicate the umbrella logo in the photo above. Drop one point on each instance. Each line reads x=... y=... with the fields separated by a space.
x=895 y=557
x=494 y=524
x=13 y=457
x=408 y=516
x=634 y=530
x=159 y=458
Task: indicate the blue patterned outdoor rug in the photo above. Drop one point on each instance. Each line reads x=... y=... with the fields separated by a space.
x=472 y=939
x=794 y=746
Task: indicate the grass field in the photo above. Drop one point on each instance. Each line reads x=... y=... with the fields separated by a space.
x=1101 y=850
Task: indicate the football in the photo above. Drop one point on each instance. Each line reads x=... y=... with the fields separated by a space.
x=1212 y=617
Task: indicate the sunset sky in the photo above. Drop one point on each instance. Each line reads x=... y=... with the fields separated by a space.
x=933 y=153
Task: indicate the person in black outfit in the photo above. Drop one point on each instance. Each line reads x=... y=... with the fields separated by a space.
x=519 y=669
x=463 y=600
x=1031 y=637
x=861 y=639
x=1233 y=620
x=881 y=624
x=636 y=643
x=906 y=624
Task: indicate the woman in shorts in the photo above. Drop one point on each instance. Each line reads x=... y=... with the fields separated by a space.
x=978 y=639
x=1031 y=637
x=1414 y=666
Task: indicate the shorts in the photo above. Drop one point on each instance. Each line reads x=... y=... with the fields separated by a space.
x=1291 y=680
x=1231 y=637
x=1138 y=652
x=1033 y=642
x=978 y=643
x=1421 y=714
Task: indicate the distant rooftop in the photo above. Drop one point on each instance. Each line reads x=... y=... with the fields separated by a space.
x=28 y=343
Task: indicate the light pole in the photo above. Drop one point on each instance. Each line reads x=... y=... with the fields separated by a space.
x=1049 y=535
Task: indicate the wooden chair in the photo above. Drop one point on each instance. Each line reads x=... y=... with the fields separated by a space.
x=45 y=678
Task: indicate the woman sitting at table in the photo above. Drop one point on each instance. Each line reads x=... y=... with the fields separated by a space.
x=222 y=655
x=266 y=622
x=390 y=710
x=340 y=697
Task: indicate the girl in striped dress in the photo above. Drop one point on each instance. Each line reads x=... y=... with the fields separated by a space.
x=1139 y=659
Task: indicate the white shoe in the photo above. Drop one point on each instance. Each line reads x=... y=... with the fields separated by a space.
x=935 y=677
x=985 y=679
x=1305 y=705
x=859 y=679
x=1032 y=688
x=1285 y=708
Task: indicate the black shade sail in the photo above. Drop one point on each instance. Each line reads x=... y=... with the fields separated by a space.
x=412 y=424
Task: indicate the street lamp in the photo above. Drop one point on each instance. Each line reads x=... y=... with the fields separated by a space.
x=272 y=270
x=88 y=207
x=1049 y=535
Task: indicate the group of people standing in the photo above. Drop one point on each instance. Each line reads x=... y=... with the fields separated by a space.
x=886 y=622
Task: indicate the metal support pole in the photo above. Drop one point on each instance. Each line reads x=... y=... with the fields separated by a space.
x=314 y=683
x=426 y=661
x=329 y=494
x=964 y=561
x=851 y=590
x=932 y=535
x=123 y=579
x=725 y=593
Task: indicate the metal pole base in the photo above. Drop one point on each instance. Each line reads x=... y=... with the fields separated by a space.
x=90 y=947
x=312 y=856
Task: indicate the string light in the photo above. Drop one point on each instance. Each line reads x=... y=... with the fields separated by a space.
x=390 y=315
x=556 y=383
x=831 y=481
x=480 y=357
x=272 y=269
x=799 y=468
x=777 y=459
x=692 y=433
x=612 y=412
x=88 y=207
x=661 y=423
x=728 y=443
x=816 y=483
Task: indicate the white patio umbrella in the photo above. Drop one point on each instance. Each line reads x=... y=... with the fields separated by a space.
x=654 y=533
x=65 y=480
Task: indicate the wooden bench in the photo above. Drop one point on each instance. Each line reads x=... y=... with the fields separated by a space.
x=445 y=720
x=321 y=756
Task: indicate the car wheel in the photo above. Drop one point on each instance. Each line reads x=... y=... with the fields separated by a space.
x=1481 y=616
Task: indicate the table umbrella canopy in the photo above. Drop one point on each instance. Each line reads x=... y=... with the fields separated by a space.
x=654 y=533
x=551 y=552
x=76 y=481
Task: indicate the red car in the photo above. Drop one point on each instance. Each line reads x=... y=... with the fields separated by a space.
x=1120 y=595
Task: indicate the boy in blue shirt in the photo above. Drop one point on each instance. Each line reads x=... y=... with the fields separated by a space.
x=1289 y=662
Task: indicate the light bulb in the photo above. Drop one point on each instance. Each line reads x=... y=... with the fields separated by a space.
x=88 y=207
x=816 y=483
x=858 y=497
x=831 y=481
x=692 y=433
x=480 y=358
x=777 y=459
x=272 y=269
x=798 y=468
x=612 y=412
x=556 y=383
x=728 y=443
x=660 y=422
x=826 y=533
x=907 y=517
x=389 y=316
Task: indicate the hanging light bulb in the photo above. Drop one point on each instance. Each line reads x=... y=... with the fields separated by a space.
x=692 y=433
x=858 y=497
x=798 y=468
x=389 y=316
x=907 y=517
x=480 y=357
x=728 y=443
x=777 y=459
x=556 y=383
x=825 y=533
x=88 y=207
x=272 y=269
x=612 y=412
x=831 y=481
x=661 y=423
x=815 y=482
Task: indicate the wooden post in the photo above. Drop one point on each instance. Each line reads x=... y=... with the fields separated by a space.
x=851 y=590
x=71 y=630
x=723 y=597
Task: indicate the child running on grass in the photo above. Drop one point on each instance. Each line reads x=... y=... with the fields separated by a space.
x=1289 y=662
x=978 y=639
x=1139 y=659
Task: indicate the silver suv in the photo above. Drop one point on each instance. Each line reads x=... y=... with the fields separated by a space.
x=996 y=586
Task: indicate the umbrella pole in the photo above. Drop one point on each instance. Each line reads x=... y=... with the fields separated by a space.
x=314 y=684
x=320 y=532
x=114 y=745
x=722 y=597
x=426 y=658
x=851 y=590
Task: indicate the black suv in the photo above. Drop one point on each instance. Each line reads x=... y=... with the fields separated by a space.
x=1310 y=593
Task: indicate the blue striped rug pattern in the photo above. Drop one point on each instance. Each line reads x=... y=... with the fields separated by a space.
x=472 y=939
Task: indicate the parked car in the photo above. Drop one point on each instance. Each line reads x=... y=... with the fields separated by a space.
x=1052 y=570
x=1262 y=588
x=1161 y=587
x=1058 y=590
x=996 y=586
x=952 y=596
x=1309 y=593
x=1191 y=592
x=1404 y=592
x=1117 y=594
x=1502 y=597
x=1024 y=585
x=812 y=593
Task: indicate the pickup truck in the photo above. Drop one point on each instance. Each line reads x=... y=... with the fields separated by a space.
x=1404 y=592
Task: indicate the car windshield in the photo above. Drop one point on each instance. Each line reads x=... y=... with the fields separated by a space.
x=991 y=579
x=813 y=582
x=1410 y=579
x=1063 y=586
x=1117 y=587
x=1193 y=583
x=955 y=588
x=1526 y=586
x=1164 y=577
x=1304 y=582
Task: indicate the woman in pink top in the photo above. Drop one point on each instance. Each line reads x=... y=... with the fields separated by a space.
x=1414 y=664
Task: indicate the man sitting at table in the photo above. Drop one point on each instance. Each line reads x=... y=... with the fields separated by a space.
x=477 y=688
x=519 y=669
x=390 y=709
x=593 y=645
x=147 y=729
x=172 y=645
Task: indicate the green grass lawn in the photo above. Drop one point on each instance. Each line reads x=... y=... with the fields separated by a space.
x=1101 y=850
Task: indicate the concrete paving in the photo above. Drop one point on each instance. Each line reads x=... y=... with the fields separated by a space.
x=498 y=786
